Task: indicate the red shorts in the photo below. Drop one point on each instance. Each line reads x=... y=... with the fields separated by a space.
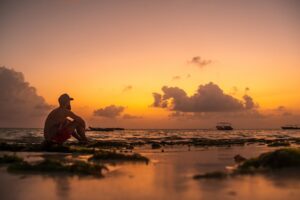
x=61 y=136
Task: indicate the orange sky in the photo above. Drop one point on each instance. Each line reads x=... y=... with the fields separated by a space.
x=94 y=49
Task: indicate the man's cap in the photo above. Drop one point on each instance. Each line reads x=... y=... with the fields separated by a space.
x=64 y=98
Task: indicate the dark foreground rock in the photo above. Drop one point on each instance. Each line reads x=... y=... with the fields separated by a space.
x=278 y=159
x=18 y=165
x=212 y=175
x=114 y=156
x=18 y=147
x=275 y=161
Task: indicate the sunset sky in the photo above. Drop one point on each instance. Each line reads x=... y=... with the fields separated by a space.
x=111 y=56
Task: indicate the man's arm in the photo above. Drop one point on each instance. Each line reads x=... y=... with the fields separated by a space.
x=76 y=118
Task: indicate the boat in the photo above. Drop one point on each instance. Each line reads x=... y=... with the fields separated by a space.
x=105 y=129
x=224 y=126
x=290 y=127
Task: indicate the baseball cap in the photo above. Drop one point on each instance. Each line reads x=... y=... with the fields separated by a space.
x=64 y=98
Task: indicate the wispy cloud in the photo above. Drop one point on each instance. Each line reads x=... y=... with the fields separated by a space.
x=128 y=116
x=200 y=62
x=176 y=78
x=127 y=88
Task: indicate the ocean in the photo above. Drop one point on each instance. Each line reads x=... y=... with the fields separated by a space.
x=36 y=134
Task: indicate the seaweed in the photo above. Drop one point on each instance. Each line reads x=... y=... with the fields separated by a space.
x=114 y=156
x=8 y=159
x=286 y=158
x=54 y=166
x=110 y=144
x=17 y=147
x=279 y=144
x=155 y=146
x=278 y=159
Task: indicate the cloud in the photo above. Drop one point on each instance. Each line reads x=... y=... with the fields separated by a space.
x=128 y=116
x=175 y=78
x=200 y=62
x=127 y=88
x=234 y=90
x=249 y=104
x=282 y=110
x=111 y=111
x=20 y=105
x=157 y=100
x=218 y=116
x=208 y=98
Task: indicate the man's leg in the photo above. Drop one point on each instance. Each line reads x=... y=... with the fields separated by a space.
x=80 y=130
x=77 y=130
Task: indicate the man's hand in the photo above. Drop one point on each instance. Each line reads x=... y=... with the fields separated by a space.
x=76 y=118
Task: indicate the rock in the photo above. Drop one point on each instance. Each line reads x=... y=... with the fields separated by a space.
x=212 y=175
x=239 y=159
x=51 y=166
x=281 y=158
x=155 y=146
x=279 y=144
x=8 y=159
x=114 y=156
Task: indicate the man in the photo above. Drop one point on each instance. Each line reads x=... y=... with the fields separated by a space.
x=62 y=123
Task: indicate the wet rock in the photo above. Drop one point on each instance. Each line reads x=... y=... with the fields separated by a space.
x=155 y=146
x=239 y=159
x=130 y=147
x=54 y=166
x=8 y=159
x=279 y=144
x=109 y=144
x=288 y=158
x=17 y=147
x=282 y=158
x=212 y=175
x=113 y=156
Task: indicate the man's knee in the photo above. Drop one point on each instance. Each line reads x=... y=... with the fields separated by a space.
x=79 y=124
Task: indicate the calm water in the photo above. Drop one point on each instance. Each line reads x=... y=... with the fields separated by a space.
x=36 y=135
x=167 y=176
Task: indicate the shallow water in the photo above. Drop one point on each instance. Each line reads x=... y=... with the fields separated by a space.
x=32 y=135
x=169 y=175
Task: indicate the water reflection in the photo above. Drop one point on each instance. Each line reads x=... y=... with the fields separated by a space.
x=168 y=178
x=62 y=187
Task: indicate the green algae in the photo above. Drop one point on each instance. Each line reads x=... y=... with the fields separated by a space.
x=114 y=156
x=55 y=166
x=8 y=159
x=287 y=158
x=19 y=147
x=279 y=144
x=110 y=144
x=278 y=159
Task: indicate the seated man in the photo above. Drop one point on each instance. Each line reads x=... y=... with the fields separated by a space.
x=62 y=123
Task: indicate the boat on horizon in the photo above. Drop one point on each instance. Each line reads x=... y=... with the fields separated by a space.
x=290 y=127
x=105 y=129
x=224 y=126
